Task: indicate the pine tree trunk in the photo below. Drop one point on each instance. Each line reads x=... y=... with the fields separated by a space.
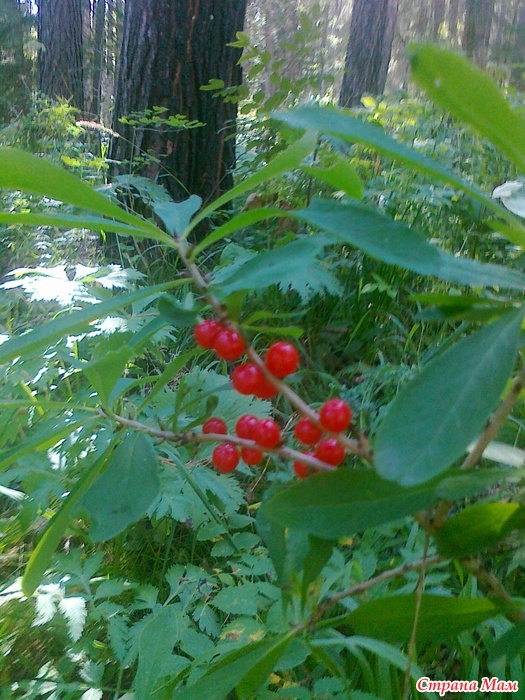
x=478 y=25
x=60 y=63
x=170 y=48
x=369 y=49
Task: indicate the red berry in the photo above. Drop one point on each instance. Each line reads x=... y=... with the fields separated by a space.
x=265 y=390
x=335 y=415
x=282 y=359
x=267 y=433
x=205 y=333
x=245 y=426
x=247 y=378
x=301 y=469
x=307 y=432
x=330 y=451
x=225 y=458
x=229 y=345
x=215 y=425
x=251 y=456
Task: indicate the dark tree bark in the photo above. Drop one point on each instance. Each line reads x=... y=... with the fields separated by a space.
x=369 y=49
x=60 y=63
x=97 y=64
x=170 y=49
x=478 y=24
x=15 y=68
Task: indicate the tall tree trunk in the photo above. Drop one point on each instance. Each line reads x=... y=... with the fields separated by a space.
x=369 y=49
x=478 y=24
x=438 y=19
x=15 y=68
x=453 y=20
x=60 y=64
x=99 y=40
x=170 y=48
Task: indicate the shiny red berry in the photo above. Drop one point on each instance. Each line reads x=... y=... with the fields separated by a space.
x=205 y=333
x=225 y=458
x=267 y=433
x=282 y=359
x=301 y=469
x=215 y=425
x=330 y=451
x=245 y=427
x=251 y=456
x=229 y=345
x=307 y=432
x=335 y=415
x=247 y=378
x=265 y=390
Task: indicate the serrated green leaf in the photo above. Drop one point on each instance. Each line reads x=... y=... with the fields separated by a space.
x=341 y=123
x=28 y=173
x=104 y=372
x=441 y=618
x=176 y=215
x=293 y=266
x=479 y=527
x=237 y=600
x=438 y=414
x=460 y=87
x=156 y=658
x=344 y=502
x=48 y=543
x=127 y=488
x=172 y=310
x=76 y=322
x=396 y=244
x=244 y=669
x=341 y=176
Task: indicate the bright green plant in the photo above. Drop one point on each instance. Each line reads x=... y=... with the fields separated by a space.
x=125 y=445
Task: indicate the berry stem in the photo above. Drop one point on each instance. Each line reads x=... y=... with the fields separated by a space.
x=191 y=437
x=360 y=448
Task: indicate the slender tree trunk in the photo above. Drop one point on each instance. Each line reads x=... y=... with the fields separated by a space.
x=99 y=41
x=170 y=49
x=478 y=25
x=369 y=49
x=60 y=64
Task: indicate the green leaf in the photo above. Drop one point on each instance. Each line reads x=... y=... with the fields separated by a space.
x=441 y=618
x=171 y=370
x=287 y=160
x=28 y=173
x=176 y=215
x=172 y=310
x=236 y=600
x=76 y=322
x=510 y=644
x=396 y=244
x=245 y=218
x=341 y=176
x=93 y=223
x=293 y=266
x=48 y=543
x=245 y=669
x=43 y=436
x=435 y=417
x=319 y=552
x=479 y=527
x=125 y=491
x=341 y=123
x=156 y=658
x=104 y=372
x=344 y=502
x=460 y=87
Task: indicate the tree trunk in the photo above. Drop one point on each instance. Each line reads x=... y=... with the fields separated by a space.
x=60 y=64
x=478 y=24
x=99 y=36
x=369 y=49
x=439 y=10
x=15 y=68
x=170 y=48
x=453 y=20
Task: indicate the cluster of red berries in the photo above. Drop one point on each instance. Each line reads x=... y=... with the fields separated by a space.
x=281 y=360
